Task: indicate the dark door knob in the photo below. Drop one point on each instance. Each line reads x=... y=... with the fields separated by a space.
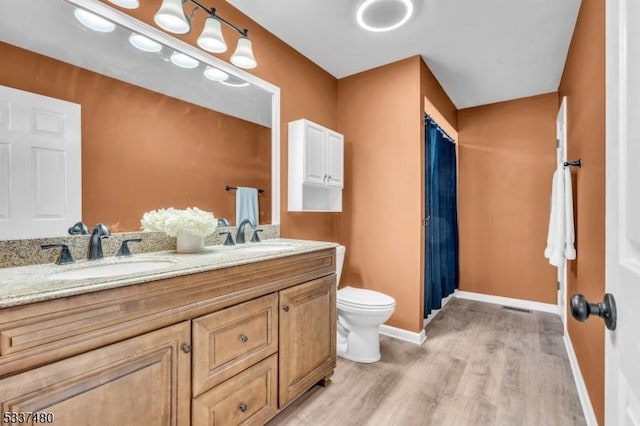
x=581 y=309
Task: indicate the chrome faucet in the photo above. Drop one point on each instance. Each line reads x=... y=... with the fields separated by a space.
x=100 y=231
x=240 y=232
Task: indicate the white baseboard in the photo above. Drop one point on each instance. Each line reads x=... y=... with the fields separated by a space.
x=585 y=401
x=507 y=301
x=402 y=334
x=435 y=312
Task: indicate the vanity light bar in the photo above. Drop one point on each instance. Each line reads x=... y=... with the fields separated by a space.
x=145 y=44
x=244 y=32
x=171 y=17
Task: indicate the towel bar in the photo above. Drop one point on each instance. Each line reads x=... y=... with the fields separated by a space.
x=227 y=188
x=574 y=163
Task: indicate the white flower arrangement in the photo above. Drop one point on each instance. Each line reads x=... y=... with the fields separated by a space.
x=191 y=220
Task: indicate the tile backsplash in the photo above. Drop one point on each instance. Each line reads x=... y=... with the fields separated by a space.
x=28 y=251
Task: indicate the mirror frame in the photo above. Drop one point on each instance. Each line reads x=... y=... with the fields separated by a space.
x=158 y=35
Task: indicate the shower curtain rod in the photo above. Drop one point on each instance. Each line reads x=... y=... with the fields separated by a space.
x=445 y=134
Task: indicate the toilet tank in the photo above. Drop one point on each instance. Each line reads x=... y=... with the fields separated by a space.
x=340 y=251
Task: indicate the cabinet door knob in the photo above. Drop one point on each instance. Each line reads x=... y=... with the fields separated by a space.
x=244 y=339
x=243 y=407
x=186 y=348
x=285 y=308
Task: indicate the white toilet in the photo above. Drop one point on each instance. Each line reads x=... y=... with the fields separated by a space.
x=360 y=314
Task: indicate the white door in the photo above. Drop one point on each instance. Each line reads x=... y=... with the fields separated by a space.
x=335 y=159
x=40 y=176
x=561 y=157
x=622 y=346
x=314 y=154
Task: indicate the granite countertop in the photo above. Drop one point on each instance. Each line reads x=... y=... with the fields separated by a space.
x=28 y=284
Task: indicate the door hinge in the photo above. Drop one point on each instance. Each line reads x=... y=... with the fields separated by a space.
x=557 y=143
x=558 y=282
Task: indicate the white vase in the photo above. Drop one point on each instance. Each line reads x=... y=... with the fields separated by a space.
x=189 y=243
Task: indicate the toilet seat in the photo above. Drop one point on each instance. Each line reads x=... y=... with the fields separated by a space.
x=364 y=299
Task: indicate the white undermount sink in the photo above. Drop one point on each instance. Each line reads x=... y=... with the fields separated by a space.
x=265 y=248
x=111 y=270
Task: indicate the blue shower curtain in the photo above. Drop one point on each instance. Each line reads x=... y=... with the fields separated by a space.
x=441 y=234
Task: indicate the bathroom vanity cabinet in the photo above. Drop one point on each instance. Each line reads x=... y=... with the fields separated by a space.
x=228 y=346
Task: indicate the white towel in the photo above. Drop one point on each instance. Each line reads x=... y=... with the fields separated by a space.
x=570 y=236
x=247 y=205
x=561 y=235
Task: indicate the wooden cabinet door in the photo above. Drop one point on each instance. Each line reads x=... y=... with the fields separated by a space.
x=314 y=154
x=307 y=336
x=335 y=159
x=141 y=381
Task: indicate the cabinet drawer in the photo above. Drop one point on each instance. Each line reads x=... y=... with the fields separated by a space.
x=228 y=341
x=248 y=398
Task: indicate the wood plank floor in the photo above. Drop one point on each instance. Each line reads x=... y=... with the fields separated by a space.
x=481 y=365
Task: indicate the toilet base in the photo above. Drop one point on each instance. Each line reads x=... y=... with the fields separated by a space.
x=356 y=359
x=359 y=344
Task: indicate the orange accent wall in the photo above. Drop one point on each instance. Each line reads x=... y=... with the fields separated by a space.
x=380 y=113
x=142 y=150
x=437 y=102
x=507 y=157
x=583 y=82
x=306 y=91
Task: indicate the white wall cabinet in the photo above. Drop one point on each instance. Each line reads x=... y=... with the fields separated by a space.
x=316 y=167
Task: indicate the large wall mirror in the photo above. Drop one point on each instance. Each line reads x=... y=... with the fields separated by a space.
x=153 y=134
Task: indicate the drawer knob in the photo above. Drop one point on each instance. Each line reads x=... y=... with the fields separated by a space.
x=244 y=339
x=285 y=308
x=243 y=407
x=186 y=348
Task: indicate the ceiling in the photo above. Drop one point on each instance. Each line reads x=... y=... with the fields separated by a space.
x=481 y=52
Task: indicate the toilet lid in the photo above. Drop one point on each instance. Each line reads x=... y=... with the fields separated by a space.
x=360 y=297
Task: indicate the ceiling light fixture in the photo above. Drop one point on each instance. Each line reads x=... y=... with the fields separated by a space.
x=171 y=17
x=384 y=15
x=144 y=43
x=93 y=21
